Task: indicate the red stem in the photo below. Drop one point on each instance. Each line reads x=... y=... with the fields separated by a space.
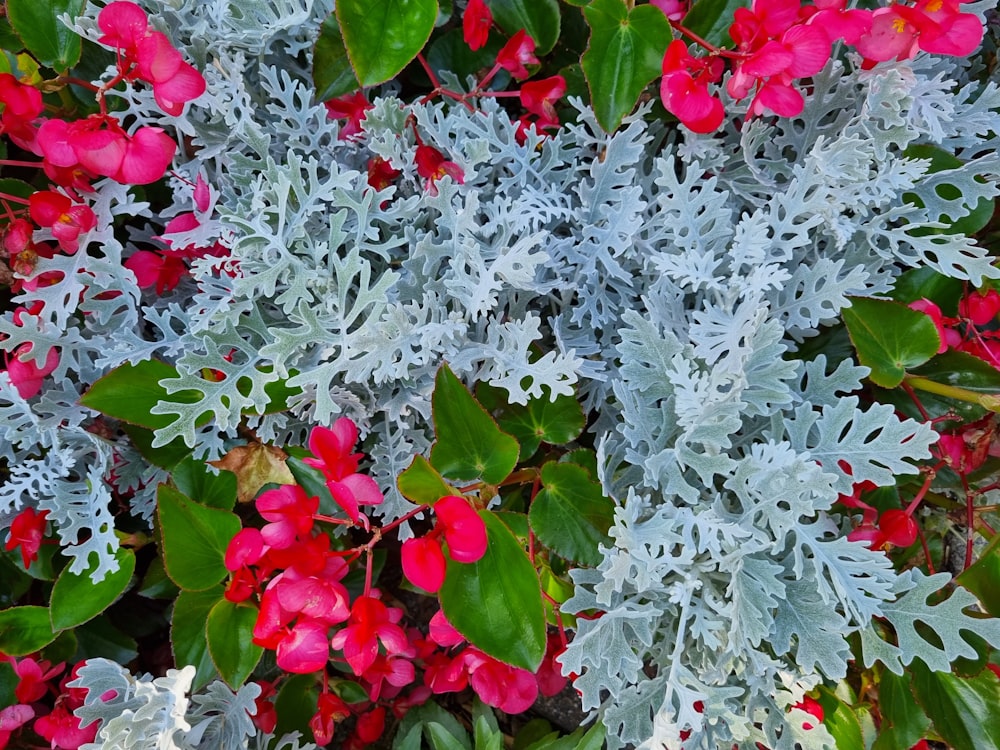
x=14 y=199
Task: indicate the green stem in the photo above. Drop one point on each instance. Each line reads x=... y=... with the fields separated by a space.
x=986 y=400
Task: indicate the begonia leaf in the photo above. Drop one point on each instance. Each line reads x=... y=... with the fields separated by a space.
x=295 y=703
x=903 y=721
x=981 y=579
x=965 y=710
x=194 y=538
x=100 y=638
x=890 y=338
x=229 y=632
x=77 y=599
x=543 y=421
x=24 y=630
x=711 y=19
x=196 y=481
x=421 y=483
x=469 y=444
x=314 y=483
x=539 y=18
x=496 y=602
x=129 y=393
x=840 y=720
x=36 y=22
x=332 y=72
x=382 y=36
x=188 y=632
x=570 y=515
x=625 y=54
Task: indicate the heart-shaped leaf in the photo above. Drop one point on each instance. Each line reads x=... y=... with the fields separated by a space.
x=965 y=710
x=36 y=22
x=188 y=636
x=332 y=72
x=195 y=538
x=229 y=632
x=570 y=515
x=539 y=18
x=24 y=630
x=382 y=36
x=420 y=483
x=541 y=420
x=890 y=338
x=625 y=54
x=469 y=443
x=76 y=599
x=496 y=602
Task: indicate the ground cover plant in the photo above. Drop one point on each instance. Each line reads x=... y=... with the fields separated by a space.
x=374 y=373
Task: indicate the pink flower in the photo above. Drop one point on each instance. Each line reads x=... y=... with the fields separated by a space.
x=431 y=165
x=371 y=623
x=395 y=671
x=32 y=678
x=511 y=689
x=246 y=548
x=424 y=563
x=516 y=53
x=980 y=307
x=164 y=272
x=443 y=632
x=352 y=107
x=476 y=24
x=672 y=9
x=124 y=25
x=66 y=219
x=934 y=312
x=329 y=710
x=63 y=729
x=890 y=36
x=837 y=22
x=27 y=531
x=26 y=375
x=464 y=529
x=353 y=491
x=290 y=511
x=13 y=718
x=304 y=649
x=332 y=448
x=684 y=88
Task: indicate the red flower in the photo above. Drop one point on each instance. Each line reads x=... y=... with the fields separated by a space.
x=26 y=532
x=332 y=448
x=980 y=307
x=13 y=718
x=476 y=24
x=810 y=706
x=290 y=511
x=353 y=107
x=684 y=89
x=516 y=53
x=464 y=529
x=26 y=375
x=370 y=725
x=246 y=548
x=304 y=649
x=381 y=174
x=66 y=219
x=164 y=272
x=329 y=710
x=21 y=105
x=424 y=563
x=265 y=717
x=511 y=689
x=431 y=165
x=63 y=729
x=32 y=678
x=371 y=622
x=538 y=97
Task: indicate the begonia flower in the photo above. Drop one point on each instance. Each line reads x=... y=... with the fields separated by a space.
x=511 y=689
x=424 y=563
x=330 y=709
x=332 y=448
x=476 y=22
x=351 y=107
x=371 y=725
x=979 y=307
x=304 y=649
x=66 y=220
x=163 y=272
x=518 y=52
x=64 y=730
x=246 y=548
x=290 y=512
x=464 y=528
x=539 y=97
x=33 y=676
x=13 y=718
x=432 y=166
x=27 y=376
x=371 y=623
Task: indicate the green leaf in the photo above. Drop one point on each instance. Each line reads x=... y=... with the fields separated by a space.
x=332 y=72
x=24 y=630
x=37 y=23
x=469 y=443
x=99 y=638
x=926 y=283
x=229 y=633
x=77 y=599
x=188 y=638
x=8 y=684
x=295 y=704
x=625 y=54
x=165 y=456
x=195 y=538
x=890 y=338
x=542 y=421
x=195 y=480
x=485 y=729
x=539 y=18
x=9 y=42
x=965 y=711
x=570 y=515
x=449 y=53
x=156 y=584
x=14 y=582
x=903 y=721
x=314 y=483
x=130 y=392
x=840 y=720
x=19 y=188
x=442 y=739
x=382 y=36
x=964 y=371
x=496 y=602
x=982 y=578
x=711 y=19
x=420 y=483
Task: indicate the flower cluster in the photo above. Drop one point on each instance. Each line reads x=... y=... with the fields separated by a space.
x=779 y=42
x=463 y=530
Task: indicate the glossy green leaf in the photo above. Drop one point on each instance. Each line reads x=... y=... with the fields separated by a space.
x=442 y=739
x=100 y=638
x=469 y=443
x=382 y=36
x=24 y=630
x=570 y=515
x=20 y=188
x=450 y=53
x=37 y=23
x=188 y=637
x=890 y=338
x=982 y=578
x=195 y=538
x=542 y=421
x=421 y=483
x=539 y=18
x=625 y=54
x=965 y=711
x=77 y=599
x=130 y=392
x=8 y=684
x=840 y=721
x=295 y=704
x=229 y=632
x=711 y=19
x=333 y=75
x=165 y=456
x=14 y=582
x=926 y=283
x=63 y=648
x=965 y=371
x=215 y=489
x=314 y=483
x=496 y=602
x=9 y=42
x=156 y=584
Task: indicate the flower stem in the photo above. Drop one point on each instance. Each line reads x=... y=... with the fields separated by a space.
x=988 y=401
